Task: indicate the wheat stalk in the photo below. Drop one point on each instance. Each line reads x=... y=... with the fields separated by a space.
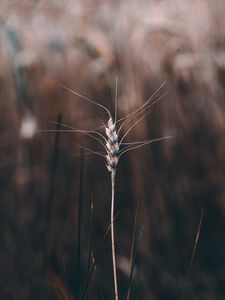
x=112 y=151
x=114 y=148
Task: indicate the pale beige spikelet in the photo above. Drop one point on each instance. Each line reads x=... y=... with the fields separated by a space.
x=112 y=146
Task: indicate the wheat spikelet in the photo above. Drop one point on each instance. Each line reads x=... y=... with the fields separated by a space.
x=112 y=146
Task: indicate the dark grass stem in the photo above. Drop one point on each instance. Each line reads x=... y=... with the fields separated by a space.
x=79 y=218
x=90 y=239
x=99 y=280
x=132 y=258
x=52 y=178
x=52 y=175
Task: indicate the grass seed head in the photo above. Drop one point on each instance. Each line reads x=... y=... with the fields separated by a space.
x=112 y=146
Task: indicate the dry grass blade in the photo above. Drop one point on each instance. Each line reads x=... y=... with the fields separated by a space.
x=193 y=253
x=134 y=260
x=96 y=259
x=61 y=289
x=100 y=281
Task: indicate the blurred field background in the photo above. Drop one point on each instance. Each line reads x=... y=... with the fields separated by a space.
x=47 y=186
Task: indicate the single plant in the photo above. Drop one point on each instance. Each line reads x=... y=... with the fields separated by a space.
x=114 y=147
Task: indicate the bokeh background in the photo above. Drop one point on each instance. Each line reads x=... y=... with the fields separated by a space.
x=55 y=199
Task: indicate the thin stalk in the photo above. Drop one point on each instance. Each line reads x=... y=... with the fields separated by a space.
x=80 y=221
x=113 y=174
x=90 y=239
x=132 y=256
x=193 y=253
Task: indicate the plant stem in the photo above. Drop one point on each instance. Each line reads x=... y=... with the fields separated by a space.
x=113 y=174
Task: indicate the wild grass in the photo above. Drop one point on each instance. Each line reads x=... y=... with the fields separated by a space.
x=113 y=145
x=46 y=42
